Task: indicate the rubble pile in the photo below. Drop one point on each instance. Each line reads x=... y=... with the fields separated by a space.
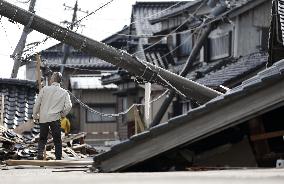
x=24 y=146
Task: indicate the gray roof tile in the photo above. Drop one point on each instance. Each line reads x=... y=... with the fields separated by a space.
x=242 y=66
x=19 y=99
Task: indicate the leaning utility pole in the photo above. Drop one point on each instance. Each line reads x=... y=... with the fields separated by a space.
x=66 y=47
x=17 y=54
x=109 y=54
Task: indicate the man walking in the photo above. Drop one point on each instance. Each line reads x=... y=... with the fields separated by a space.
x=52 y=103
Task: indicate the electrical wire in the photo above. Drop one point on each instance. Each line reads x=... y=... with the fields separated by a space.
x=116 y=114
x=93 y=12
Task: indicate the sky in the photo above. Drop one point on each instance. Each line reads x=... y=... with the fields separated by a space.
x=98 y=26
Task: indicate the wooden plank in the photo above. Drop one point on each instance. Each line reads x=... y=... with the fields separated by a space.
x=2 y=109
x=267 y=135
x=78 y=147
x=48 y=162
x=74 y=137
x=215 y=120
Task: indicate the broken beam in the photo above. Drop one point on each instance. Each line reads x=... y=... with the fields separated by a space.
x=268 y=135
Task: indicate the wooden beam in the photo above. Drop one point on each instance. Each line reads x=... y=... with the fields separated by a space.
x=260 y=147
x=38 y=71
x=48 y=163
x=267 y=135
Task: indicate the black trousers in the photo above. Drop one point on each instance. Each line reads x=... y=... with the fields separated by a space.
x=56 y=134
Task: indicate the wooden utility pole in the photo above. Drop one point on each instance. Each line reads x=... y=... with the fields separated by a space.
x=17 y=54
x=66 y=47
x=109 y=54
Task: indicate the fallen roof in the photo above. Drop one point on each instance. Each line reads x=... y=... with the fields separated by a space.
x=158 y=55
x=236 y=106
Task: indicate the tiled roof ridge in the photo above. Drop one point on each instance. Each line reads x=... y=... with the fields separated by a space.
x=30 y=83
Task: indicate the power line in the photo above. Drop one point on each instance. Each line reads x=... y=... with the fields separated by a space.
x=68 y=27
x=93 y=12
x=116 y=114
x=104 y=5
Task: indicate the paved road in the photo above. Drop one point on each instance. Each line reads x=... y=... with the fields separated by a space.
x=36 y=175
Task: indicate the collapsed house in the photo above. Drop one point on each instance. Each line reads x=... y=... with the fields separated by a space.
x=241 y=128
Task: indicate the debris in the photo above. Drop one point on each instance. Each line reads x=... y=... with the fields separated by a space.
x=17 y=146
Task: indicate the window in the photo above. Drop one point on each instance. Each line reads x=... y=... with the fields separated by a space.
x=220 y=46
x=93 y=117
